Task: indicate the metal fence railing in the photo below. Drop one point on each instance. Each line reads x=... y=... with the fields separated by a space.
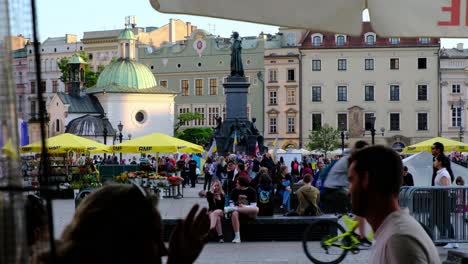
x=442 y=210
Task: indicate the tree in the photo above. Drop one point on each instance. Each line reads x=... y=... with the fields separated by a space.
x=197 y=135
x=184 y=118
x=324 y=139
x=90 y=76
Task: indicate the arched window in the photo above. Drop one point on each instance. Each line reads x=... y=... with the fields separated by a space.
x=340 y=40
x=317 y=41
x=370 y=40
x=57 y=125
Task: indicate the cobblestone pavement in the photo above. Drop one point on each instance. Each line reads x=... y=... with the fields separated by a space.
x=227 y=253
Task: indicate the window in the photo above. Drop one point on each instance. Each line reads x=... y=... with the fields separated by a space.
x=316 y=65
x=272 y=75
x=184 y=110
x=369 y=64
x=342 y=120
x=369 y=93
x=422 y=92
x=340 y=40
x=456 y=116
x=54 y=86
x=291 y=75
x=316 y=93
x=20 y=103
x=291 y=39
x=370 y=39
x=199 y=122
x=213 y=112
x=140 y=117
x=199 y=87
x=184 y=87
x=163 y=83
x=342 y=94
x=291 y=95
x=291 y=124
x=422 y=63
x=394 y=64
x=57 y=125
x=213 y=86
x=224 y=112
x=33 y=87
x=273 y=98
x=455 y=88
x=273 y=125
x=90 y=56
x=342 y=64
x=43 y=86
x=316 y=41
x=394 y=41
x=316 y=121
x=394 y=121
x=422 y=121
x=33 y=108
x=368 y=121
x=424 y=40
x=394 y=93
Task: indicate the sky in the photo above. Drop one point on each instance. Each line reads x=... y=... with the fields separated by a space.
x=59 y=17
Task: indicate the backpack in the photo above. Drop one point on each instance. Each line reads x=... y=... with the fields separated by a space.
x=264 y=196
x=295 y=166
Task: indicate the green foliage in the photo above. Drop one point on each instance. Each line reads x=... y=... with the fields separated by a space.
x=197 y=135
x=90 y=76
x=324 y=139
x=184 y=118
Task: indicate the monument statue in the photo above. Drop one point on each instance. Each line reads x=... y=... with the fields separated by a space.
x=236 y=60
x=236 y=126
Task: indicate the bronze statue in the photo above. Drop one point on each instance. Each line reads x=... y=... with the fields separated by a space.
x=236 y=60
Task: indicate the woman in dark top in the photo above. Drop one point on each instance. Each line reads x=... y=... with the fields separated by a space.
x=407 y=177
x=215 y=199
x=265 y=195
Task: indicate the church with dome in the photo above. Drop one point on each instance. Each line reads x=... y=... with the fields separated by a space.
x=126 y=100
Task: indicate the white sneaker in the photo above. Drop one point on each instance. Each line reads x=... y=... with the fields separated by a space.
x=228 y=209
x=451 y=246
x=236 y=240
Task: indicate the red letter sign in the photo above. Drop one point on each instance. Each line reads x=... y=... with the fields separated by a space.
x=454 y=16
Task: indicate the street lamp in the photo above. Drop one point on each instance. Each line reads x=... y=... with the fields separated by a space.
x=461 y=107
x=104 y=131
x=372 y=130
x=120 y=127
x=344 y=134
x=129 y=136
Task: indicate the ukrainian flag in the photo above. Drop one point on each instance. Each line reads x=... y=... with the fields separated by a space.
x=213 y=148
x=235 y=143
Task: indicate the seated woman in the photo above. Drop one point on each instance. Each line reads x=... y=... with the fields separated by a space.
x=215 y=199
x=308 y=198
x=265 y=195
x=120 y=224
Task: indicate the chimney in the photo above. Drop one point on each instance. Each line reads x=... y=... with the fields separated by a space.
x=460 y=46
x=172 y=31
x=189 y=29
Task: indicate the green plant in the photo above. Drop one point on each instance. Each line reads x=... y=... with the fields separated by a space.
x=324 y=139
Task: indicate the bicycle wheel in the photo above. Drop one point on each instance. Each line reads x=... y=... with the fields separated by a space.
x=319 y=243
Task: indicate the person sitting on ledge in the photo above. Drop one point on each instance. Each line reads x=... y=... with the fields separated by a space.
x=120 y=224
x=245 y=204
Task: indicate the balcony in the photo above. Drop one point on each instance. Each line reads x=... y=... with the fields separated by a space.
x=35 y=118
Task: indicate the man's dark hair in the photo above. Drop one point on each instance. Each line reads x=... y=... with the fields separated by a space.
x=439 y=146
x=360 y=144
x=383 y=167
x=241 y=166
x=243 y=181
x=307 y=178
x=405 y=168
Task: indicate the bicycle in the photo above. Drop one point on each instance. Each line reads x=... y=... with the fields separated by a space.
x=326 y=241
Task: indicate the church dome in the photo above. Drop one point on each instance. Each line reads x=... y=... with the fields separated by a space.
x=126 y=34
x=126 y=73
x=89 y=125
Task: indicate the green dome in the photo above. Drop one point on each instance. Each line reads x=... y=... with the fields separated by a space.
x=125 y=74
x=126 y=34
x=76 y=59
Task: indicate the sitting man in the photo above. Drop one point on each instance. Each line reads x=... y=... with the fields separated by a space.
x=245 y=204
x=308 y=198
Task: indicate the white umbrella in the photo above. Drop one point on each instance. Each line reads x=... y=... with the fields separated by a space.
x=399 y=18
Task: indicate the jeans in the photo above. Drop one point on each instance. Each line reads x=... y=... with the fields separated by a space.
x=207 y=182
x=286 y=198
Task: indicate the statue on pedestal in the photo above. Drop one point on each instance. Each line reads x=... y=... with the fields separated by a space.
x=236 y=60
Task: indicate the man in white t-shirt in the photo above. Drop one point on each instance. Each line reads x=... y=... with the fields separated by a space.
x=375 y=177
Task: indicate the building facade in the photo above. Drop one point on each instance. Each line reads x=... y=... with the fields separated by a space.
x=356 y=83
x=20 y=64
x=454 y=91
x=282 y=89
x=196 y=69
x=102 y=46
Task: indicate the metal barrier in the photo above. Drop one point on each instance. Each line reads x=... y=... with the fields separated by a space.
x=442 y=210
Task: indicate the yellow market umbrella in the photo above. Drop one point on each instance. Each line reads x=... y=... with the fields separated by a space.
x=449 y=145
x=67 y=142
x=157 y=143
x=9 y=150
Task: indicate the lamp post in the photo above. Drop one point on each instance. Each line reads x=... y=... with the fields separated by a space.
x=104 y=131
x=120 y=127
x=373 y=131
x=344 y=134
x=129 y=136
x=461 y=107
